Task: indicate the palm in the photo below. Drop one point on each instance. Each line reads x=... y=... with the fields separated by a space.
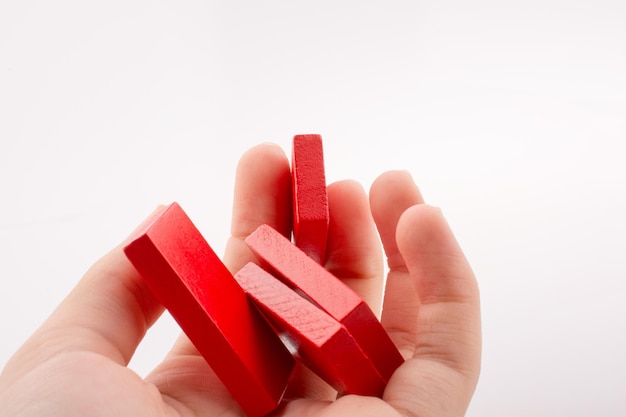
x=76 y=363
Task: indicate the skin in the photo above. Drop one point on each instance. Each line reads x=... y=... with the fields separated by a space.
x=75 y=363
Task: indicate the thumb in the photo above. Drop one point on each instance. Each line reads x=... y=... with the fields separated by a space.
x=108 y=313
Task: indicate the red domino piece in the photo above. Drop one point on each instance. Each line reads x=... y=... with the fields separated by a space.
x=305 y=275
x=189 y=279
x=321 y=342
x=310 y=200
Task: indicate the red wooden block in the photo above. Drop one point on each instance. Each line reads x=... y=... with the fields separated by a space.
x=189 y=279
x=310 y=200
x=305 y=275
x=321 y=342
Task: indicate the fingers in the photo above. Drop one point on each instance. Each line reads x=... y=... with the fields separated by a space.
x=107 y=313
x=262 y=195
x=353 y=250
x=431 y=308
x=440 y=378
x=390 y=195
x=449 y=316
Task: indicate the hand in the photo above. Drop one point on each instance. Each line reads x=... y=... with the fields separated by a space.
x=75 y=363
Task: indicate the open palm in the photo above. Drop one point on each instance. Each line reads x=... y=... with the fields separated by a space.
x=75 y=363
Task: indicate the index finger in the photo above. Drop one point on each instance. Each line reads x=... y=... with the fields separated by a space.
x=262 y=196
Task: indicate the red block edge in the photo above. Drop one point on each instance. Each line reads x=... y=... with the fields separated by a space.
x=310 y=198
x=321 y=342
x=189 y=279
x=322 y=288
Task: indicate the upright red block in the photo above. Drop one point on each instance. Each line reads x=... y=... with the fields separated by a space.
x=188 y=278
x=321 y=342
x=310 y=200
x=305 y=275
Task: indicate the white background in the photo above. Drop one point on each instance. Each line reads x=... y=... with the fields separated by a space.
x=510 y=116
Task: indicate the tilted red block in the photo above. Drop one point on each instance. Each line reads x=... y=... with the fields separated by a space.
x=321 y=342
x=321 y=287
x=189 y=279
x=310 y=199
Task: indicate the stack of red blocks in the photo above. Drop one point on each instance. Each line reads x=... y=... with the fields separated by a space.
x=298 y=308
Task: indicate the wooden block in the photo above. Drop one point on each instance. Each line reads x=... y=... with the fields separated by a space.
x=306 y=276
x=189 y=279
x=321 y=342
x=310 y=200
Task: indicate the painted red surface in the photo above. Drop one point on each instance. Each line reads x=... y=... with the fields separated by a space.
x=321 y=342
x=300 y=272
x=189 y=279
x=310 y=200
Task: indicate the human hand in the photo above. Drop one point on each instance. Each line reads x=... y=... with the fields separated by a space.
x=75 y=364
